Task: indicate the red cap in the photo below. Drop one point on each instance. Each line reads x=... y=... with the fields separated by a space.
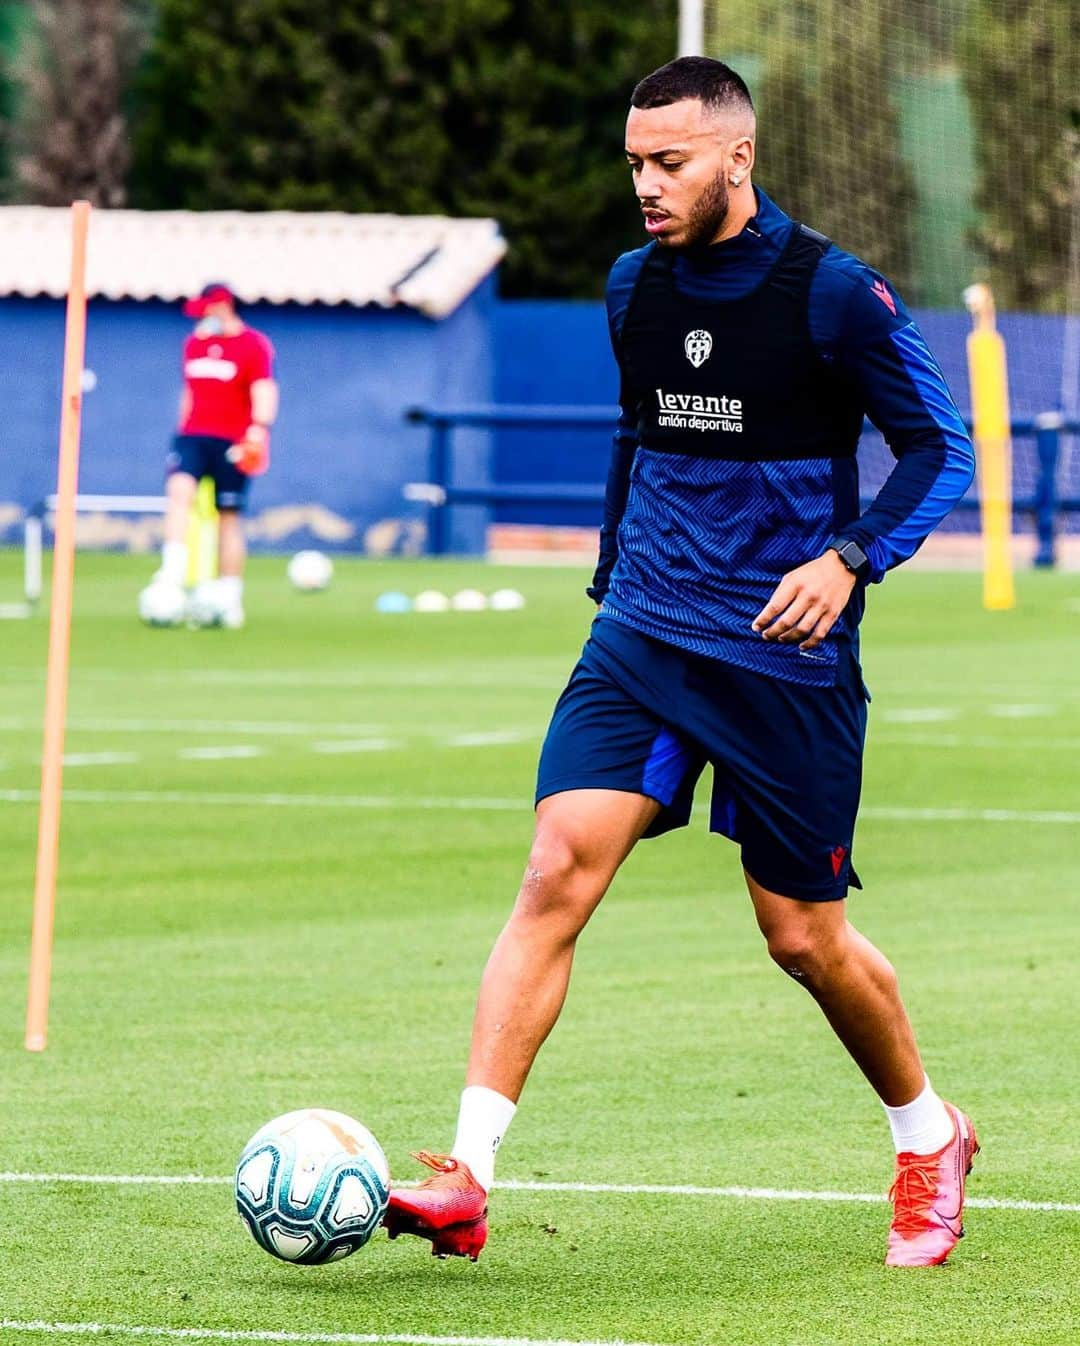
x=214 y=293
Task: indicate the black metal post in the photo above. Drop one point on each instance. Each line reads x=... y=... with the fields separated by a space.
x=1048 y=445
x=439 y=475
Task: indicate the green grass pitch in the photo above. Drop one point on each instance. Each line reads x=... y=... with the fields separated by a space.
x=286 y=852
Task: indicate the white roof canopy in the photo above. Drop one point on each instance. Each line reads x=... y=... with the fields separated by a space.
x=427 y=262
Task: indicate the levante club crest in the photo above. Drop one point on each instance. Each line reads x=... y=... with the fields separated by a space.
x=698 y=347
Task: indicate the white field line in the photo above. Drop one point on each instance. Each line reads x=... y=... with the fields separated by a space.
x=238 y=800
x=96 y=724
x=429 y=803
x=365 y=733
x=254 y=1334
x=919 y=715
x=588 y=1188
x=894 y=738
x=100 y=758
x=506 y=677
x=492 y=739
x=335 y=746
x=225 y=752
x=499 y=679
x=885 y=813
x=1021 y=711
x=120 y=1179
x=480 y=739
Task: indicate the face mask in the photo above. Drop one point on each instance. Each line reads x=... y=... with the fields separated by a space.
x=211 y=327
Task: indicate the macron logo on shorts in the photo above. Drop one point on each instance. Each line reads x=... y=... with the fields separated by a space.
x=881 y=290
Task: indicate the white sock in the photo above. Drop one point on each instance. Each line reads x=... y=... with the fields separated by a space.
x=922 y=1126
x=174 y=562
x=483 y=1118
x=231 y=588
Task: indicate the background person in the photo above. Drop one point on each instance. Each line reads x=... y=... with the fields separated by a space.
x=731 y=585
x=228 y=404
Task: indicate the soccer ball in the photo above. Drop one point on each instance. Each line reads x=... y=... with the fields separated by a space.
x=468 y=600
x=162 y=604
x=393 y=601
x=310 y=570
x=430 y=600
x=507 y=600
x=212 y=604
x=312 y=1186
x=205 y=607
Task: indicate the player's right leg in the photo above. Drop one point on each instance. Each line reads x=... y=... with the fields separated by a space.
x=610 y=772
x=180 y=488
x=163 y=601
x=582 y=836
x=184 y=466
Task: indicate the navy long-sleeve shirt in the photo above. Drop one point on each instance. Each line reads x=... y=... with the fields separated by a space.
x=857 y=320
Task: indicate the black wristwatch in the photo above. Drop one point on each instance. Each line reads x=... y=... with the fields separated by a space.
x=852 y=556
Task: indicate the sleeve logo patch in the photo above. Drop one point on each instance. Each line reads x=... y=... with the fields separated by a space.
x=882 y=291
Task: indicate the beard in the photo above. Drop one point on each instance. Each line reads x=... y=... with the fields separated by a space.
x=707 y=215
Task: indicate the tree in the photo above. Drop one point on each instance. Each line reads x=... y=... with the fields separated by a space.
x=9 y=46
x=70 y=136
x=1021 y=64
x=507 y=108
x=830 y=135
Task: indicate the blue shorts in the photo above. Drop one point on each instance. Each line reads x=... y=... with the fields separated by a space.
x=204 y=456
x=646 y=717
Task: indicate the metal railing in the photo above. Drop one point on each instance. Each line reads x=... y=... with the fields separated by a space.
x=441 y=492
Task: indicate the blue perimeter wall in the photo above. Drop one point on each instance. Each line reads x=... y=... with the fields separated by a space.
x=553 y=351
x=342 y=448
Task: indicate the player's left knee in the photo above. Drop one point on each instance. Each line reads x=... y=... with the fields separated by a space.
x=808 y=956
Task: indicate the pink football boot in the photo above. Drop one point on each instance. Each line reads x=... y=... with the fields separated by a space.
x=928 y=1199
x=449 y=1208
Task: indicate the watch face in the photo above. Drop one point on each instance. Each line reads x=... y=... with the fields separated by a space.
x=854 y=558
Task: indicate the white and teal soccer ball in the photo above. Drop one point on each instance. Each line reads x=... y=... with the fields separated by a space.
x=206 y=606
x=162 y=603
x=309 y=571
x=312 y=1186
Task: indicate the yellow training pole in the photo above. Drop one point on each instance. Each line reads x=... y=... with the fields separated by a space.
x=202 y=535
x=990 y=411
x=208 y=529
x=52 y=762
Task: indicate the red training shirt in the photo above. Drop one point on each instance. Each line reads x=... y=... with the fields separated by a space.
x=219 y=372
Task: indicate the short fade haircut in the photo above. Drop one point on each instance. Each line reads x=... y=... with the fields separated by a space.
x=716 y=84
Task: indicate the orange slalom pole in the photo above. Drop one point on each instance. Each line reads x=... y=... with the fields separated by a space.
x=56 y=683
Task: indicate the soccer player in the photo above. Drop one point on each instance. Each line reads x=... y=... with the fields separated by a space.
x=228 y=404
x=731 y=580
